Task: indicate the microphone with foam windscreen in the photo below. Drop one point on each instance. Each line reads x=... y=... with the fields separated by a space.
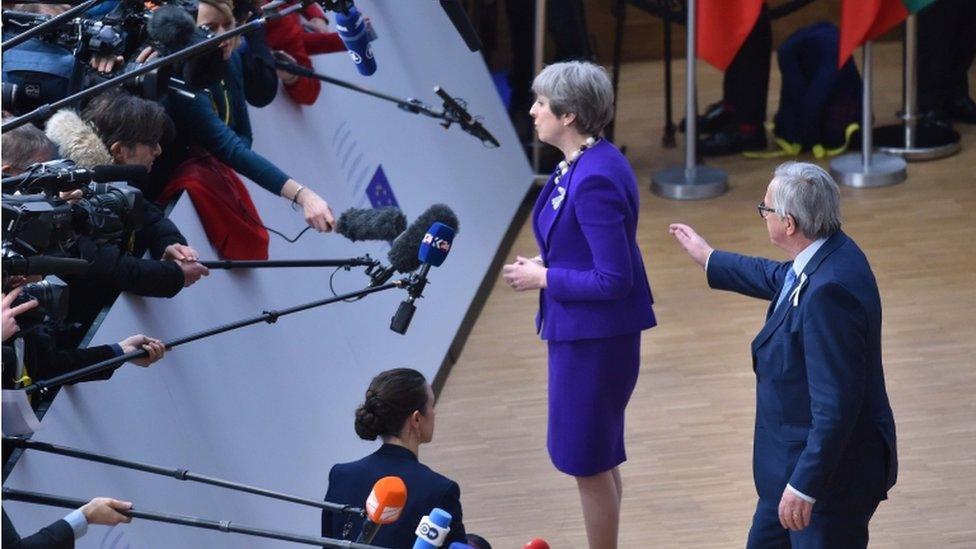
x=537 y=543
x=404 y=253
x=433 y=529
x=383 y=506
x=371 y=223
x=355 y=34
x=171 y=29
x=433 y=251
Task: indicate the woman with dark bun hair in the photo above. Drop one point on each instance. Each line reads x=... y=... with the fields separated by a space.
x=398 y=409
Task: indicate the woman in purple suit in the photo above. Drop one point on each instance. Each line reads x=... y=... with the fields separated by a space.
x=595 y=299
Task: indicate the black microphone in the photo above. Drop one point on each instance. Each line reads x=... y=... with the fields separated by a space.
x=464 y=118
x=172 y=29
x=371 y=223
x=455 y=12
x=44 y=265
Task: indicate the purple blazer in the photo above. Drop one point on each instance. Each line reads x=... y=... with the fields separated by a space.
x=597 y=284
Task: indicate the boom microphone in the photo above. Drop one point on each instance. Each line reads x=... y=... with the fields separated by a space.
x=371 y=224
x=383 y=506
x=404 y=254
x=433 y=529
x=355 y=34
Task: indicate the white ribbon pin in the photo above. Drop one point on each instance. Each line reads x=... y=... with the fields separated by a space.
x=558 y=201
x=795 y=294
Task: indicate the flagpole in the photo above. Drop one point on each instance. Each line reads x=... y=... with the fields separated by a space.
x=692 y=181
x=867 y=169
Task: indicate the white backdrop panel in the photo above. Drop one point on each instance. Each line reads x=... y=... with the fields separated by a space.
x=272 y=405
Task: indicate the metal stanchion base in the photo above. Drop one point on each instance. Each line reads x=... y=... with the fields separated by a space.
x=931 y=143
x=884 y=169
x=697 y=183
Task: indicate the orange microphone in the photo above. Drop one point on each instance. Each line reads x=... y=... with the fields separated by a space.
x=383 y=506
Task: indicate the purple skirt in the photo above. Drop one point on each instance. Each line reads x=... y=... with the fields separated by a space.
x=590 y=383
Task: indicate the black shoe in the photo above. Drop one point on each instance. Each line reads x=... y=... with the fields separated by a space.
x=963 y=110
x=732 y=141
x=717 y=116
x=935 y=118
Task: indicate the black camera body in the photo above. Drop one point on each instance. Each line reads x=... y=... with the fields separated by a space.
x=41 y=222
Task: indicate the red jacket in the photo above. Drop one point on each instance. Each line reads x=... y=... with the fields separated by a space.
x=287 y=34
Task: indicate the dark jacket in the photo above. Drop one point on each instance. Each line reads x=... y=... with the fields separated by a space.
x=350 y=484
x=58 y=535
x=823 y=421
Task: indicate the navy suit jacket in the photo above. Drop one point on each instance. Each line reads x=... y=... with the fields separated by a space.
x=350 y=484
x=823 y=421
x=597 y=286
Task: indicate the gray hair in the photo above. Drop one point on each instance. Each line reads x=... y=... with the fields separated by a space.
x=580 y=88
x=26 y=145
x=808 y=193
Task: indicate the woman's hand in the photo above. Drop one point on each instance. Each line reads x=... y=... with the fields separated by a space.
x=525 y=274
x=318 y=213
x=287 y=78
x=317 y=24
x=153 y=346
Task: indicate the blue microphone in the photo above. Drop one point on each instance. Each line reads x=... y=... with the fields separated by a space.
x=433 y=251
x=433 y=529
x=355 y=34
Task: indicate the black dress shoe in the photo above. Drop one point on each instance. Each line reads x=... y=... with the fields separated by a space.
x=717 y=116
x=963 y=110
x=732 y=141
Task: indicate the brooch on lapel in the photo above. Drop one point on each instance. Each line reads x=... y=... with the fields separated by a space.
x=558 y=201
x=795 y=294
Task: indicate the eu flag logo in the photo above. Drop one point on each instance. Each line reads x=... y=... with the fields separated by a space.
x=379 y=191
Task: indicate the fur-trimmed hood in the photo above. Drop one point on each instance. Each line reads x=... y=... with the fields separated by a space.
x=76 y=139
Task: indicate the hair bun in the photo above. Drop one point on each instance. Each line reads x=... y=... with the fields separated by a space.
x=366 y=422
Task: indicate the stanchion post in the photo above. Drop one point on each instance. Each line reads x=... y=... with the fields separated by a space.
x=909 y=140
x=868 y=169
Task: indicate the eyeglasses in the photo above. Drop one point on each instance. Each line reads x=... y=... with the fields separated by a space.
x=764 y=210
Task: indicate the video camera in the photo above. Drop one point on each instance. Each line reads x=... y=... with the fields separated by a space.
x=35 y=73
x=39 y=221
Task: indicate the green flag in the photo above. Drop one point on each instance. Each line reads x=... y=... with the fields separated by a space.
x=914 y=6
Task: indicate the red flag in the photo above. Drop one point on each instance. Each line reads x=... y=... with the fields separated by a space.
x=723 y=26
x=865 y=20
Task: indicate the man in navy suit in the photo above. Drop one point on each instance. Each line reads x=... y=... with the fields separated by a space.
x=824 y=445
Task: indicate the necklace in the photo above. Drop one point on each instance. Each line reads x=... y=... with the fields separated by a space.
x=563 y=168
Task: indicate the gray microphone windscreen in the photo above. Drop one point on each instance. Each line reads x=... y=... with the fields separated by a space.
x=403 y=252
x=371 y=224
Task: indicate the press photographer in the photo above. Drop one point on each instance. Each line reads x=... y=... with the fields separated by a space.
x=119 y=128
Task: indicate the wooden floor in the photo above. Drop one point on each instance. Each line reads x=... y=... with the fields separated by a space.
x=688 y=479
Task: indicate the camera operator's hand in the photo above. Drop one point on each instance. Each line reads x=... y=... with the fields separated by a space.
x=153 y=346
x=286 y=77
x=71 y=197
x=105 y=511
x=146 y=55
x=105 y=63
x=10 y=326
x=180 y=252
x=317 y=24
x=192 y=271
